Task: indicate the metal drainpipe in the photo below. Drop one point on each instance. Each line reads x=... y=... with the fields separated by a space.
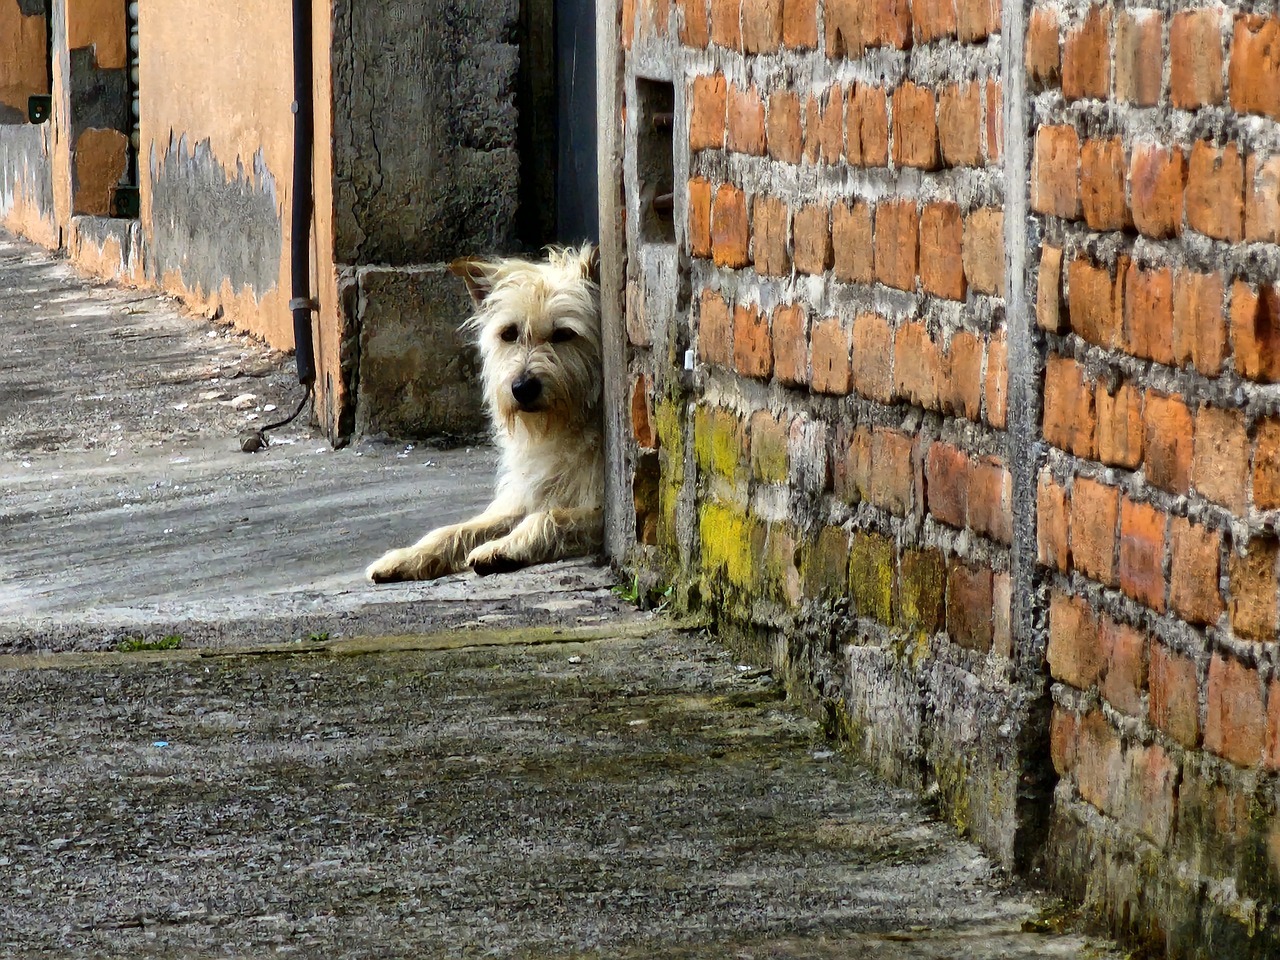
x=302 y=304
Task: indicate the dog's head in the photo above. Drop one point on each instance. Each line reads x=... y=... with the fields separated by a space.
x=538 y=329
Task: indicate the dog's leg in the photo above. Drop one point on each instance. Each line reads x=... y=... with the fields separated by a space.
x=542 y=536
x=443 y=550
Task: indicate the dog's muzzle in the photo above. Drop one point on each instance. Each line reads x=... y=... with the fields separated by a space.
x=526 y=390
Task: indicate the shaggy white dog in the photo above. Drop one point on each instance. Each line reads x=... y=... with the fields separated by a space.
x=538 y=329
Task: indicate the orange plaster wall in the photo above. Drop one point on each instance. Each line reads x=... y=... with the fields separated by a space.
x=24 y=69
x=99 y=24
x=222 y=74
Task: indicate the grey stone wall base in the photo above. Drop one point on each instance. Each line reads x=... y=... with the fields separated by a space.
x=418 y=376
x=1130 y=892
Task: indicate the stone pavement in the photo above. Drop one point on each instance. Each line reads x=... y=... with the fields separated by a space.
x=521 y=766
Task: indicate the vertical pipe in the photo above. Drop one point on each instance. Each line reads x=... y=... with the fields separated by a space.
x=303 y=136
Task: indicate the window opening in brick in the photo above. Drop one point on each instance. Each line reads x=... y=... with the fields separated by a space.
x=655 y=160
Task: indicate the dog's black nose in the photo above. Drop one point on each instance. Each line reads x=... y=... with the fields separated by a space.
x=526 y=390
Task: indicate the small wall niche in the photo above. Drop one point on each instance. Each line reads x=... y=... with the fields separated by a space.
x=655 y=159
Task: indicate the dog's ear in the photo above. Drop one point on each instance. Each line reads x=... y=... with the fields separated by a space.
x=476 y=274
x=591 y=262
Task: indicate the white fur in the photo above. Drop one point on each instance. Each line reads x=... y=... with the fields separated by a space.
x=539 y=320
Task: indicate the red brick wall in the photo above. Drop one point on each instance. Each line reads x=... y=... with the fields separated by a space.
x=1154 y=183
x=1054 y=594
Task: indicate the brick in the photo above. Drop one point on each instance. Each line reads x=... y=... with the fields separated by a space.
x=831 y=128
x=960 y=391
x=1255 y=331
x=1148 y=312
x=1193 y=581
x=708 y=114
x=960 y=120
x=893 y=472
x=791 y=345
x=761 y=25
x=1266 y=465
x=867 y=126
x=976 y=19
x=1215 y=191
x=1075 y=652
x=1151 y=798
x=1235 y=722
x=1119 y=426
x=941 y=250
x=726 y=28
x=1142 y=529
x=915 y=127
x=783 y=133
x=873 y=357
x=825 y=564
x=695 y=30
x=1102 y=172
x=1167 y=442
x=1262 y=199
x=990 y=500
x=700 y=217
x=1272 y=756
x=893 y=23
x=1086 y=57
x=811 y=238
x=752 y=343
x=638 y=329
x=1055 y=172
x=1070 y=420
x=995 y=387
x=730 y=236
x=922 y=580
x=851 y=240
x=1094 y=511
x=829 y=347
x=1252 y=606
x=917 y=366
x=1174 y=701
x=1043 y=51
x=994 y=107
x=1139 y=56
x=769 y=461
x=745 y=121
x=1049 y=313
x=641 y=421
x=897 y=228
x=946 y=475
x=1157 y=178
x=654 y=18
x=1195 y=58
x=1125 y=678
x=983 y=253
x=628 y=23
x=969 y=606
x=714 y=330
x=800 y=24
x=1064 y=734
x=1100 y=764
x=871 y=576
x=848 y=24
x=1091 y=303
x=769 y=237
x=933 y=19
x=1199 y=323
x=1053 y=525
x=1253 y=76
x=853 y=474
x=812 y=129
x=1220 y=460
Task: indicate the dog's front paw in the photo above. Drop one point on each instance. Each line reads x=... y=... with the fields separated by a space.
x=407 y=564
x=492 y=558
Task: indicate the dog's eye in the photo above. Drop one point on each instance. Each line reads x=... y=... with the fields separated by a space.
x=509 y=334
x=563 y=334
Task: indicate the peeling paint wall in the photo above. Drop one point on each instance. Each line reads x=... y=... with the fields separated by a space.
x=24 y=67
